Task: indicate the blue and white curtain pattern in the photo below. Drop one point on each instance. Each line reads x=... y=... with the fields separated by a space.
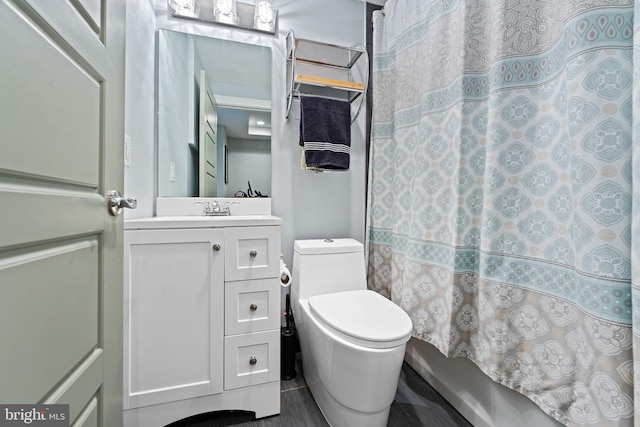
x=504 y=192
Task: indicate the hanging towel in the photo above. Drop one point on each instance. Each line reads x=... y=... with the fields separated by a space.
x=325 y=133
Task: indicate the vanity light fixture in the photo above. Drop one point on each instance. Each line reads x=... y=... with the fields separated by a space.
x=225 y=11
x=255 y=15
x=263 y=18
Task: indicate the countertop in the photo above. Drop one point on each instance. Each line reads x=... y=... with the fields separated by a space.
x=165 y=222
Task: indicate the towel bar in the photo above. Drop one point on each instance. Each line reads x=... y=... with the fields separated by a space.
x=335 y=62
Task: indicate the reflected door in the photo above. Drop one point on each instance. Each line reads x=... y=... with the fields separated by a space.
x=207 y=140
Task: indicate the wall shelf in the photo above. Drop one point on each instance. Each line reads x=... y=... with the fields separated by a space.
x=326 y=70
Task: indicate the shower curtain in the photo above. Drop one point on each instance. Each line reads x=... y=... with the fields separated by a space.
x=504 y=192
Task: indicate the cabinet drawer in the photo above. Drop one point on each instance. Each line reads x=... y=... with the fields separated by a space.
x=251 y=306
x=252 y=253
x=251 y=359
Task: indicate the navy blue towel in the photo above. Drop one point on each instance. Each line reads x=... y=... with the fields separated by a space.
x=325 y=132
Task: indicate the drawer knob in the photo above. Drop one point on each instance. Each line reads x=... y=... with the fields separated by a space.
x=216 y=247
x=253 y=254
x=253 y=360
x=253 y=307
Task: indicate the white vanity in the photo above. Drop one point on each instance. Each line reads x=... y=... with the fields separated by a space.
x=201 y=317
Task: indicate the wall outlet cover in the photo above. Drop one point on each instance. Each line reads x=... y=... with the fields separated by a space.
x=127 y=151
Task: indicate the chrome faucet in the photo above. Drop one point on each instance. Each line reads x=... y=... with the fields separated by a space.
x=213 y=209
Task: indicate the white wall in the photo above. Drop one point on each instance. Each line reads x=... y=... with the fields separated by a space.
x=175 y=72
x=246 y=160
x=139 y=178
x=311 y=205
x=319 y=205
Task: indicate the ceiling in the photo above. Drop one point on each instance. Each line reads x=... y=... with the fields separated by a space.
x=238 y=71
x=239 y=123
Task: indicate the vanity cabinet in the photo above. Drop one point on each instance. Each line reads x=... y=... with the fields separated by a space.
x=201 y=322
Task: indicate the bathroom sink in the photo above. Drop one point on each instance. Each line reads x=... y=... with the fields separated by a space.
x=201 y=221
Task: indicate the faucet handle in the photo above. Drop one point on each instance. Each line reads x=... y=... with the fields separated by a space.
x=206 y=208
x=215 y=207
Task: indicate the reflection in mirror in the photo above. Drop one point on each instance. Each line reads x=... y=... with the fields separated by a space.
x=214 y=116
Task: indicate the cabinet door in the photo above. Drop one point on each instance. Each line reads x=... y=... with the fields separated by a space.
x=173 y=315
x=252 y=253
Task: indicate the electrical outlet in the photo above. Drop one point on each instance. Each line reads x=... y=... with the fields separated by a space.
x=127 y=151
x=172 y=168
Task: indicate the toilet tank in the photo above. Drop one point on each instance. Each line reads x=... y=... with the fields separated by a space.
x=325 y=266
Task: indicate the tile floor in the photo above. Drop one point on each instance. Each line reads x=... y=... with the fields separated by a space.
x=416 y=404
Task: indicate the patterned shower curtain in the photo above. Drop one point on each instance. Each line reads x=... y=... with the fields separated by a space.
x=504 y=192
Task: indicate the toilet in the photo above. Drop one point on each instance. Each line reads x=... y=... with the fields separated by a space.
x=352 y=340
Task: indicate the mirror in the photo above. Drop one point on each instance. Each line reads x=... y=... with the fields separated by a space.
x=214 y=116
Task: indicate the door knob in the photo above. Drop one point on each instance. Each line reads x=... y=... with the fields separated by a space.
x=253 y=254
x=117 y=202
x=253 y=360
x=216 y=247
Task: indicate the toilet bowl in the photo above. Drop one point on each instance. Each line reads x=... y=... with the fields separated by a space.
x=352 y=339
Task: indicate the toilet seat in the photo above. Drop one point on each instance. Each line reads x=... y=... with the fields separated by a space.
x=363 y=317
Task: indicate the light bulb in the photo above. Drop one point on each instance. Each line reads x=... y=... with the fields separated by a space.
x=184 y=7
x=263 y=17
x=225 y=11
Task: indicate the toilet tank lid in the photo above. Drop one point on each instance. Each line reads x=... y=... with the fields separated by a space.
x=327 y=246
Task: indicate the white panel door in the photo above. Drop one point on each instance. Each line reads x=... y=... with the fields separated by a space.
x=208 y=140
x=61 y=133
